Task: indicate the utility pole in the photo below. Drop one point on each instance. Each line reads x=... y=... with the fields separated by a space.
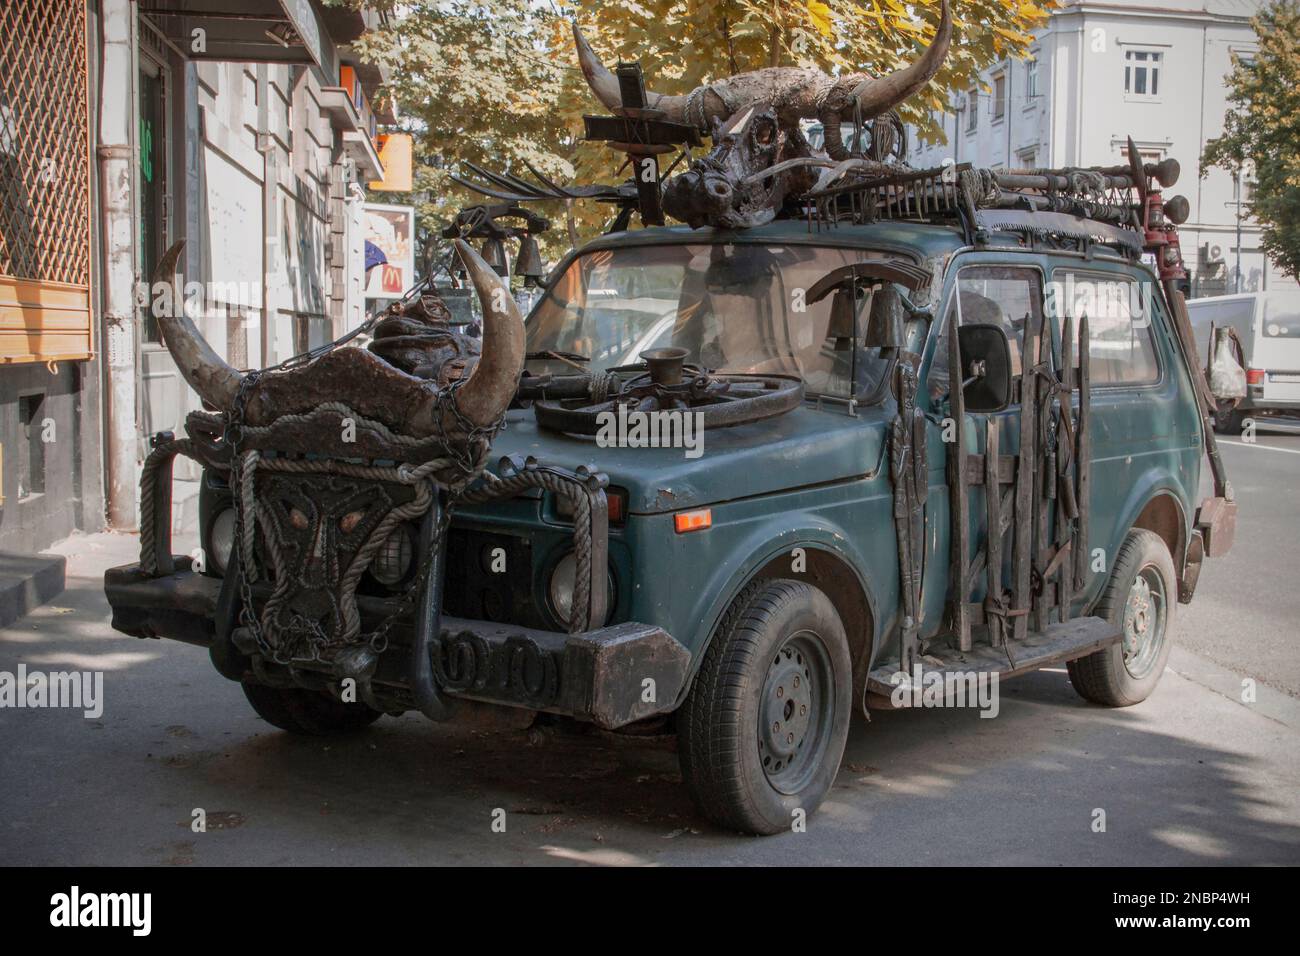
x=1239 y=204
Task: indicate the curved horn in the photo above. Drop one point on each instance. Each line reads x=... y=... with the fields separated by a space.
x=495 y=379
x=605 y=85
x=205 y=371
x=881 y=93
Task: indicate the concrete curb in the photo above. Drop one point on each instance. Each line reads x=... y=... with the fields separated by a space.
x=28 y=581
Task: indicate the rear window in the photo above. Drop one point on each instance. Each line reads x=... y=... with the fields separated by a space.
x=1120 y=311
x=1282 y=317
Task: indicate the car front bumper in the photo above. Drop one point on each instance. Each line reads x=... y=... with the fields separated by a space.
x=610 y=676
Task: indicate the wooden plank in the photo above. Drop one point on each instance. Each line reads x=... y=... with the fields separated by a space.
x=975 y=469
x=1025 y=475
x=43 y=321
x=979 y=563
x=1083 y=456
x=42 y=294
x=1065 y=497
x=1057 y=643
x=33 y=320
x=1046 y=474
x=993 y=547
x=42 y=345
x=959 y=507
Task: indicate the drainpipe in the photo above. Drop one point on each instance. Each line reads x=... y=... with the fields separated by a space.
x=118 y=231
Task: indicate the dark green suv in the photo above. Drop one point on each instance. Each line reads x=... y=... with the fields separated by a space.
x=748 y=482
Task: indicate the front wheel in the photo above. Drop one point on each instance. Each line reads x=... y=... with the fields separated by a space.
x=1139 y=598
x=761 y=735
x=310 y=712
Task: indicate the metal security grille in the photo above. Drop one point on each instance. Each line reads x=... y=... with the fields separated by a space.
x=44 y=142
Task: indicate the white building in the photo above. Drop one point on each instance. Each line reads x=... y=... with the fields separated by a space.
x=1104 y=71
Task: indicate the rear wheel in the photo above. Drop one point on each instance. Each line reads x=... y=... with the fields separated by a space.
x=309 y=712
x=1139 y=597
x=1228 y=420
x=763 y=730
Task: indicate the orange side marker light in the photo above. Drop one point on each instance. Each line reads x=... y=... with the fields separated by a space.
x=693 y=520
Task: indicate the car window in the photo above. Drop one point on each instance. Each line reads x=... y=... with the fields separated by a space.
x=1120 y=311
x=738 y=307
x=1282 y=316
x=1005 y=296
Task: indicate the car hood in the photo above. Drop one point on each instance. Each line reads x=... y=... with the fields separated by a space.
x=806 y=446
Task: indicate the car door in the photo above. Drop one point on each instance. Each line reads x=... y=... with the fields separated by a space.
x=1134 y=406
x=980 y=291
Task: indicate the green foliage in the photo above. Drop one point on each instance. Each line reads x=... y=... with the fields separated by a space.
x=1263 y=127
x=497 y=82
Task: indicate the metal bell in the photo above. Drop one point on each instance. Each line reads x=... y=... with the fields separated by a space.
x=843 y=323
x=494 y=254
x=529 y=261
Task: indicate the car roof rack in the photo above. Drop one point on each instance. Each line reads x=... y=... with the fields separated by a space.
x=1079 y=206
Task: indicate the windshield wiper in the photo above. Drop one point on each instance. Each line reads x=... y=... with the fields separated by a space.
x=557 y=354
x=568 y=358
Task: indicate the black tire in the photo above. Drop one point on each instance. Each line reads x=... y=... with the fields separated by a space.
x=740 y=775
x=309 y=712
x=1229 y=421
x=1127 y=672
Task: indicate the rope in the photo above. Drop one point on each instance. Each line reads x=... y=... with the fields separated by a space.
x=572 y=489
x=148 y=485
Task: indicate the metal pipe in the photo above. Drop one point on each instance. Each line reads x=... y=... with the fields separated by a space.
x=116 y=197
x=428 y=623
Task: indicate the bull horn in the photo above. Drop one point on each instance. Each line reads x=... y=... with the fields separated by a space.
x=492 y=385
x=605 y=84
x=878 y=94
x=205 y=371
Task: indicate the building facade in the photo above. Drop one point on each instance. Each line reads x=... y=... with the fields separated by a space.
x=1102 y=72
x=245 y=127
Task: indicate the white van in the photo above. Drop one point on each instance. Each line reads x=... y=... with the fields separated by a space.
x=1268 y=326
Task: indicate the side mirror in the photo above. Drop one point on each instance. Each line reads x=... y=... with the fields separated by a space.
x=885 y=323
x=986 y=367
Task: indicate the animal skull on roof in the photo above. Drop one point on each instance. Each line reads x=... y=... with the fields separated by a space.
x=754 y=119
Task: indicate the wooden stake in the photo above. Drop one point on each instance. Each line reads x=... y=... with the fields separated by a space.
x=1025 y=480
x=1083 y=455
x=959 y=506
x=993 y=547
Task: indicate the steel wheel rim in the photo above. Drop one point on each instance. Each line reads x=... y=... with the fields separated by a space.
x=796 y=710
x=1144 y=622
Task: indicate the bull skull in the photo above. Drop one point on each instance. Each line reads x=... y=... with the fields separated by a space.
x=754 y=120
x=792 y=93
x=480 y=399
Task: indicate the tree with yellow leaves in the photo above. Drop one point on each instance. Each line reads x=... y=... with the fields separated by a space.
x=497 y=82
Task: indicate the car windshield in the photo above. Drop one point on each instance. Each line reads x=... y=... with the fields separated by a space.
x=737 y=307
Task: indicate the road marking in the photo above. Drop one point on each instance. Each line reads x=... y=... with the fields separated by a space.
x=1242 y=444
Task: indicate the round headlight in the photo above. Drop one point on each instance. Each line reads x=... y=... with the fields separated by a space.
x=561 y=591
x=393 y=559
x=221 y=540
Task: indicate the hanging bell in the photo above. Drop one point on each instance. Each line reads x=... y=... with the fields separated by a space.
x=529 y=261
x=843 y=324
x=494 y=254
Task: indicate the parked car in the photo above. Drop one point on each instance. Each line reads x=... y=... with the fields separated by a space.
x=1267 y=326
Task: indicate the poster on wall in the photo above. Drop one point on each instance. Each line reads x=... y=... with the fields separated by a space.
x=389 y=250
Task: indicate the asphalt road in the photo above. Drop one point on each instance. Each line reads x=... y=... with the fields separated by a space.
x=1246 y=614
x=1192 y=776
